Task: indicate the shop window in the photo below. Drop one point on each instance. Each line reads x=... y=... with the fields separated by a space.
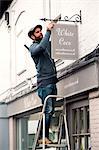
x=27 y=128
x=80 y=134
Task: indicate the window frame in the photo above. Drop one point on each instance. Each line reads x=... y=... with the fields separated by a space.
x=78 y=106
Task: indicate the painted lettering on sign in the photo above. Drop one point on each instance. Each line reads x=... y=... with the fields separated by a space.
x=64 y=32
x=62 y=41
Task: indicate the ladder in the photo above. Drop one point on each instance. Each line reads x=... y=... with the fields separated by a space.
x=62 y=119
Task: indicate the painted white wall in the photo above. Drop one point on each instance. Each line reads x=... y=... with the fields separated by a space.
x=23 y=14
x=4 y=57
x=88 y=31
x=26 y=14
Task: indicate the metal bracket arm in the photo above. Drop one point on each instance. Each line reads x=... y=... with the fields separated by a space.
x=75 y=18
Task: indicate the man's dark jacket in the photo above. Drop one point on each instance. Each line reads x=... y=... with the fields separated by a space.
x=41 y=54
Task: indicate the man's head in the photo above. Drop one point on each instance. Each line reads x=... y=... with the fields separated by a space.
x=35 y=33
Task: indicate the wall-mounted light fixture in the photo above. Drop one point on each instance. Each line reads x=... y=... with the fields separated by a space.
x=7 y=17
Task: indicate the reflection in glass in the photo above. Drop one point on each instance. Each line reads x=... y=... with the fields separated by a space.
x=80 y=128
x=81 y=120
x=76 y=143
x=88 y=128
x=75 y=121
x=82 y=143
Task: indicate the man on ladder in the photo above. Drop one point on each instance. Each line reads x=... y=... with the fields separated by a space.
x=46 y=72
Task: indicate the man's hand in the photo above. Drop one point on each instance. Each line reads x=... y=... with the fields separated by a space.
x=50 y=26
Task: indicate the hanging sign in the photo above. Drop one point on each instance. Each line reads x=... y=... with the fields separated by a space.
x=64 y=42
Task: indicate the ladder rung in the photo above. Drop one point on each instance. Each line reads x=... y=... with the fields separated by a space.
x=52 y=145
x=57 y=145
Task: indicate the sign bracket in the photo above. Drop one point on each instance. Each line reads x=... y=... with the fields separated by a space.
x=77 y=18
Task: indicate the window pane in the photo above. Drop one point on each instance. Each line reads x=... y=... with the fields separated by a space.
x=89 y=142
x=76 y=143
x=82 y=143
x=81 y=120
x=80 y=126
x=22 y=137
x=88 y=128
x=74 y=121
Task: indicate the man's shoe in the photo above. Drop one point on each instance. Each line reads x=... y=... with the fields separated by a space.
x=46 y=141
x=41 y=141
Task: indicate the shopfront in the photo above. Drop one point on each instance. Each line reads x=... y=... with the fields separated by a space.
x=76 y=83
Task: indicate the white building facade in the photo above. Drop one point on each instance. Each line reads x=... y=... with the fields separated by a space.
x=78 y=79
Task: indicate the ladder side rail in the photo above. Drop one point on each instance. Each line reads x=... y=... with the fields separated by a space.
x=50 y=96
x=66 y=127
x=38 y=131
x=60 y=128
x=43 y=131
x=67 y=135
x=63 y=119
